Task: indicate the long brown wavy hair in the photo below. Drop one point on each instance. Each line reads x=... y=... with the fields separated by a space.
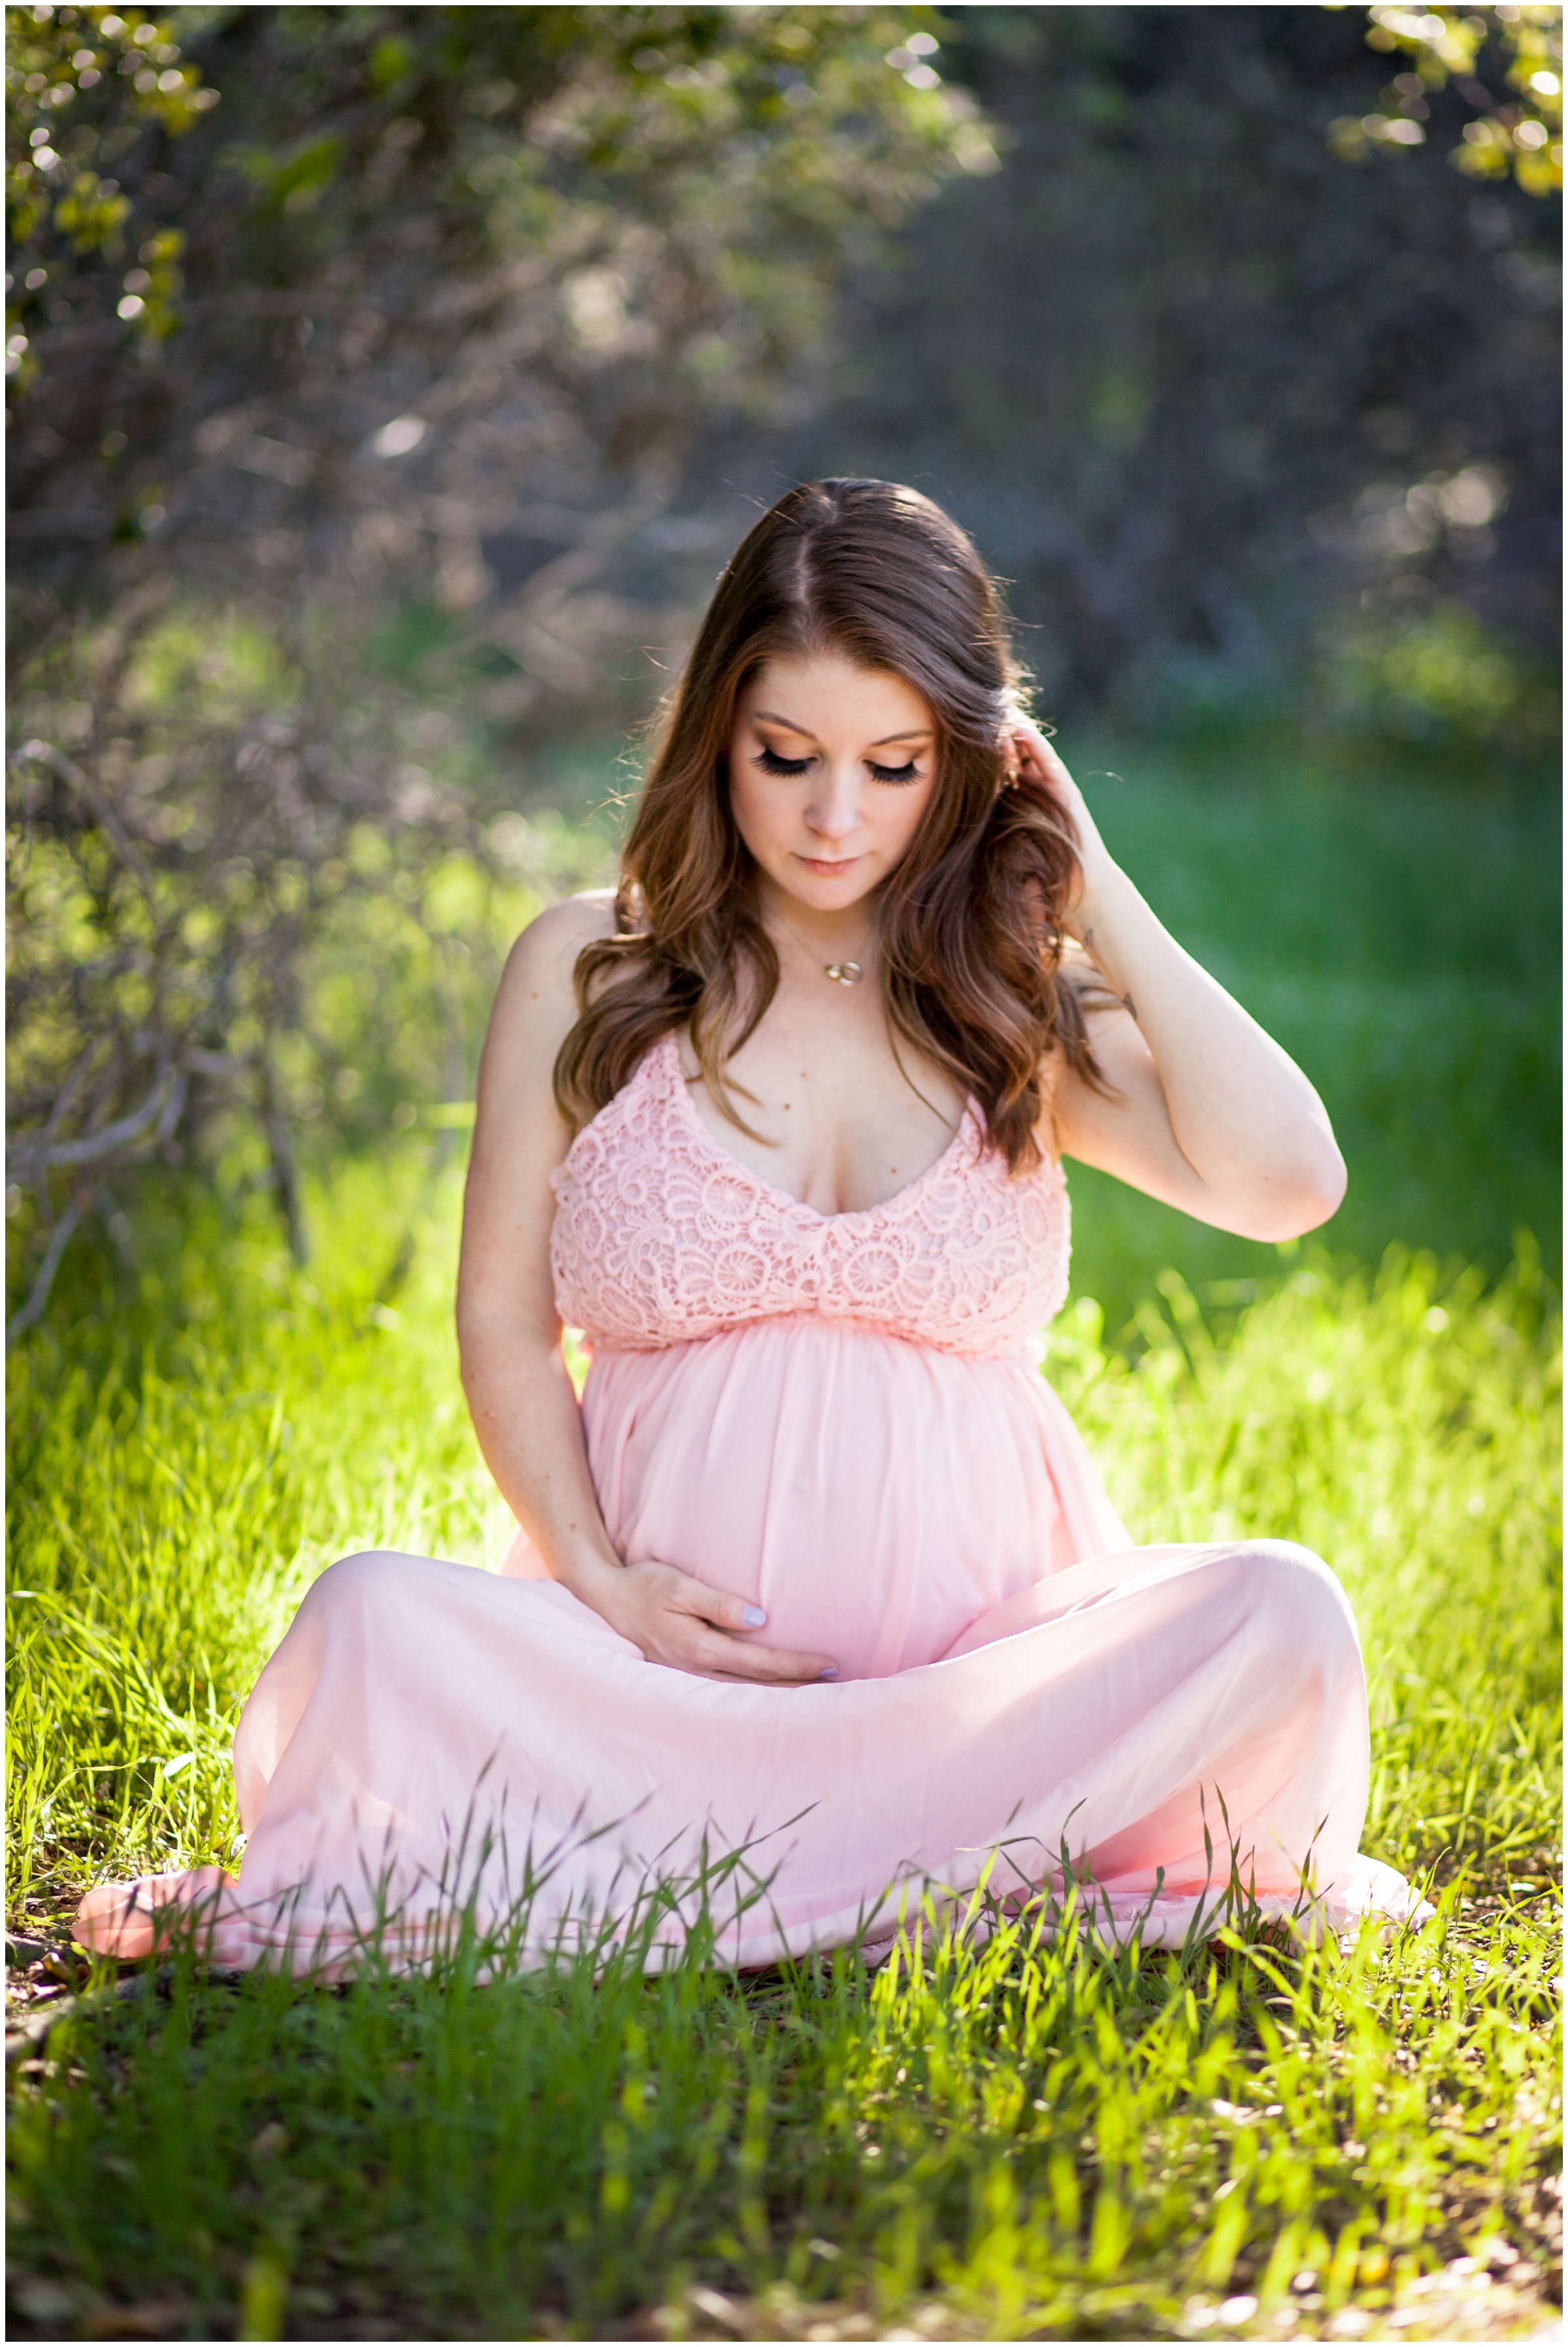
x=968 y=922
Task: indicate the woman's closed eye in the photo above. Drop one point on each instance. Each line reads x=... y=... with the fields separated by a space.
x=771 y=763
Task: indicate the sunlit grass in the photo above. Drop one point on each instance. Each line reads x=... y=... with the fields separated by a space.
x=977 y=2140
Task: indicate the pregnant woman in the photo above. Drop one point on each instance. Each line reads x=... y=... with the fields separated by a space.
x=819 y=1571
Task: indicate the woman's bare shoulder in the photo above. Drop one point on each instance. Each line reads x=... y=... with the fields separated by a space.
x=544 y=958
x=566 y=926
x=537 y=998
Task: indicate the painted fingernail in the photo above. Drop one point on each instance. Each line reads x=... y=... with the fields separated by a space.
x=831 y=1672
x=753 y=1616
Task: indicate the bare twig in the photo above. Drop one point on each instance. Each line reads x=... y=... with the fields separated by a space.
x=59 y=1240
x=167 y=1095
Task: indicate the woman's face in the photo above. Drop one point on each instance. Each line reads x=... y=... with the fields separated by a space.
x=831 y=767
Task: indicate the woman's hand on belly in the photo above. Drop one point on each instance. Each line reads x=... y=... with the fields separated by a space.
x=689 y=1625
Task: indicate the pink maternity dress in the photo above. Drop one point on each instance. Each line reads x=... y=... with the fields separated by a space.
x=840 y=1418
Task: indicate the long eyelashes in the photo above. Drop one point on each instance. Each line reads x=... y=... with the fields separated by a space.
x=772 y=763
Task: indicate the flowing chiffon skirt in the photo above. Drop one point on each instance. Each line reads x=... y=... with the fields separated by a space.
x=1023 y=1694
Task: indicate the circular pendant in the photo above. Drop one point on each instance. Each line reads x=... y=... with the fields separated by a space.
x=844 y=973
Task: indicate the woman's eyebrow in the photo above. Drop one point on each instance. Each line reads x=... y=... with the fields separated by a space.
x=910 y=732
x=770 y=717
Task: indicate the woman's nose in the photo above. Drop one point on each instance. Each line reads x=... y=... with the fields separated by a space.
x=834 y=811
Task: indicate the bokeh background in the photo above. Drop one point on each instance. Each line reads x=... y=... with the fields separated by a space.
x=388 y=385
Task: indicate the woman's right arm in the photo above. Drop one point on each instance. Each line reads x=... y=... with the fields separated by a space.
x=519 y=1393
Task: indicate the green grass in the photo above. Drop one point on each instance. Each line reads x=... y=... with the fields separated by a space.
x=998 y=2141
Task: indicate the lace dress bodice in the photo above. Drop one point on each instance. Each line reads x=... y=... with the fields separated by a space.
x=660 y=1235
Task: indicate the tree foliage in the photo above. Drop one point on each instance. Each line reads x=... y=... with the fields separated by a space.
x=321 y=314
x=54 y=63
x=512 y=254
x=1516 y=124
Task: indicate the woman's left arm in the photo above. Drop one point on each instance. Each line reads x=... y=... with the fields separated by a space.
x=1207 y=1113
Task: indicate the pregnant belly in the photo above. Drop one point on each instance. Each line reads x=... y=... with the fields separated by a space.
x=874 y=1497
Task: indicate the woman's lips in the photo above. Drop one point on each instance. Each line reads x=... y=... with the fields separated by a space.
x=829 y=866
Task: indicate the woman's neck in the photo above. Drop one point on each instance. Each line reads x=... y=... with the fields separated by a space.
x=813 y=938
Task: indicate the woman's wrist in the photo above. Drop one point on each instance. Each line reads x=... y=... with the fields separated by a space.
x=588 y=1573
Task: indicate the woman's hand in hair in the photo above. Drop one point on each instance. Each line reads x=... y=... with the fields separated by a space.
x=1030 y=755
x=689 y=1625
